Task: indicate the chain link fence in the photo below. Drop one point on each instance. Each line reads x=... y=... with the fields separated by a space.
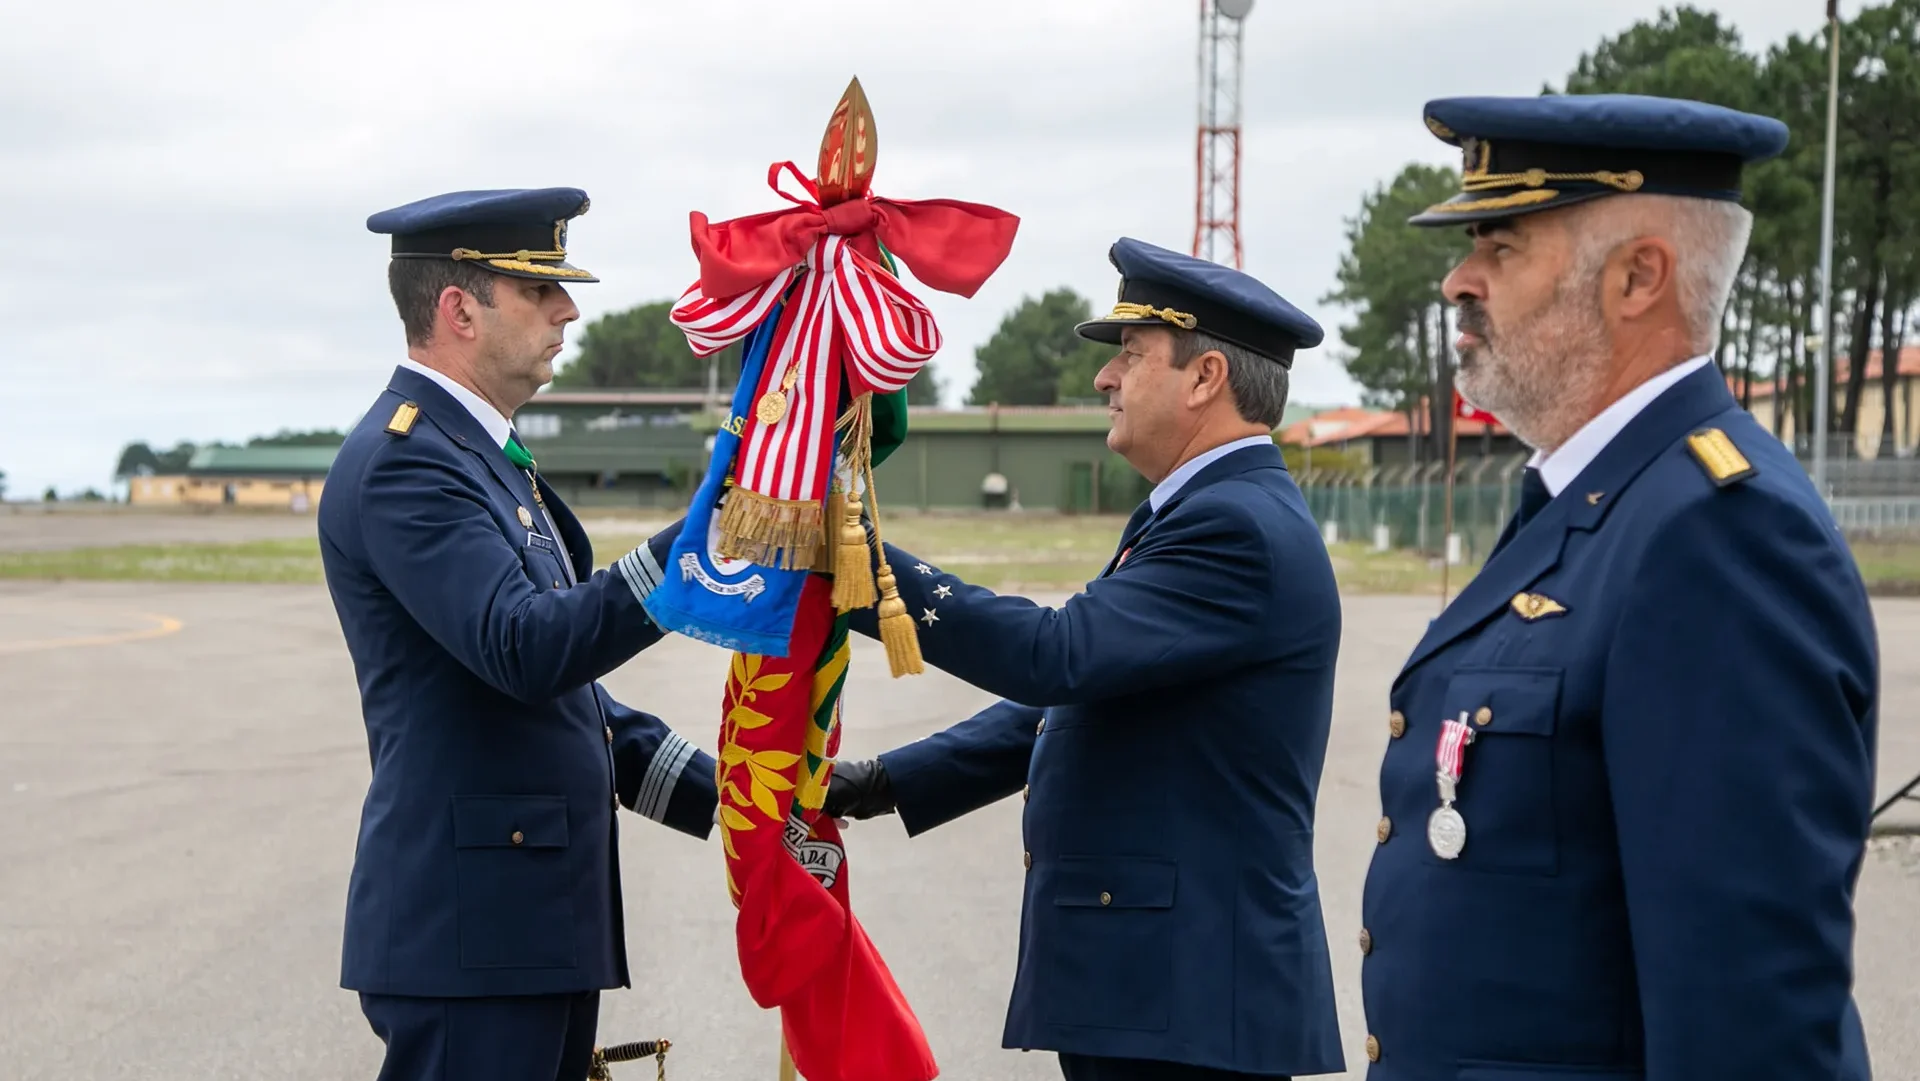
x=1405 y=506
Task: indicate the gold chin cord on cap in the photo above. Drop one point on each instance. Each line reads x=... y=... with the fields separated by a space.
x=1127 y=310
x=523 y=255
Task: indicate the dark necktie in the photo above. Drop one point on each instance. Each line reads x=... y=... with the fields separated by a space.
x=1533 y=495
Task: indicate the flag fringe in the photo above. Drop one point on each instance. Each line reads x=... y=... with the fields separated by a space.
x=782 y=533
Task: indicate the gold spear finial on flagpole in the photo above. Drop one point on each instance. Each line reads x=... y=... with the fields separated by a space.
x=848 y=150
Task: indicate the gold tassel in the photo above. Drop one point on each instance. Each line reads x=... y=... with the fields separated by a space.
x=830 y=551
x=897 y=632
x=852 y=573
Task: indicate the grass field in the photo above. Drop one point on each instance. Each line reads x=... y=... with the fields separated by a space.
x=1032 y=554
x=1028 y=554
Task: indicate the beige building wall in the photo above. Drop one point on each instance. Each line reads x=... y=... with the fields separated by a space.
x=296 y=495
x=1906 y=424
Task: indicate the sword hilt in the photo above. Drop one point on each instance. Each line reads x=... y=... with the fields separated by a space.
x=628 y=1052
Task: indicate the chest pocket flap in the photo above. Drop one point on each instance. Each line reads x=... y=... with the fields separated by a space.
x=1523 y=701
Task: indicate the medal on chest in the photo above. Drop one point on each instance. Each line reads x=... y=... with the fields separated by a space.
x=1446 y=830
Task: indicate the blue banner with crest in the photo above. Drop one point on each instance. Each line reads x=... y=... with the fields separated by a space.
x=732 y=603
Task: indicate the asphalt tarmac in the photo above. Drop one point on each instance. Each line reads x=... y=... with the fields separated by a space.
x=181 y=769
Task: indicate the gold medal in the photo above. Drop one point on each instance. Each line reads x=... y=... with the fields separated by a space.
x=773 y=406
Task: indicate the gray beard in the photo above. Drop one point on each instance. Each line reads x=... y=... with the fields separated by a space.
x=1542 y=376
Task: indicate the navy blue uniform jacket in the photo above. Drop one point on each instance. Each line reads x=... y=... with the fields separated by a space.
x=1667 y=794
x=486 y=861
x=1169 y=724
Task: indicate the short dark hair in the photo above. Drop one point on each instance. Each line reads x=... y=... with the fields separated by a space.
x=416 y=285
x=1258 y=385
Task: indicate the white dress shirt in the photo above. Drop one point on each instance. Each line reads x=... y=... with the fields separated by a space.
x=1178 y=479
x=498 y=427
x=1559 y=469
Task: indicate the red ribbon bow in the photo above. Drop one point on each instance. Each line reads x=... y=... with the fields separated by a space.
x=951 y=245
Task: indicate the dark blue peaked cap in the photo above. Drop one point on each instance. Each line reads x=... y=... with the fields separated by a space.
x=1165 y=288
x=521 y=232
x=1524 y=155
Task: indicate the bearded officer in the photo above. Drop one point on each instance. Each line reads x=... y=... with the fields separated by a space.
x=1169 y=723
x=484 y=909
x=1629 y=769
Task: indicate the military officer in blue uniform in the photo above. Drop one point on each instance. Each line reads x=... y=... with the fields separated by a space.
x=1167 y=726
x=484 y=912
x=1628 y=771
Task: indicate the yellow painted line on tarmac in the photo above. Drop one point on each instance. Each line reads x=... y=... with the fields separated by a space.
x=162 y=626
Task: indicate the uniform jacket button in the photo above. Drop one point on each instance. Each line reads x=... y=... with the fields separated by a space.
x=1026 y=792
x=609 y=733
x=1366 y=942
x=517 y=837
x=1384 y=830
x=1041 y=727
x=1027 y=858
x=1106 y=898
x=1373 y=1049
x=1397 y=724
x=1484 y=715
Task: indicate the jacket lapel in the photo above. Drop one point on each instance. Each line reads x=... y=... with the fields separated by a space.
x=1232 y=465
x=1141 y=515
x=1534 y=550
x=452 y=418
x=572 y=534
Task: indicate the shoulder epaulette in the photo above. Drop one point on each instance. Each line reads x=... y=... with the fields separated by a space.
x=1717 y=455
x=403 y=418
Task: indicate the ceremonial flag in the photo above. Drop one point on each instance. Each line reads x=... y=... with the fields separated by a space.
x=777 y=551
x=801 y=949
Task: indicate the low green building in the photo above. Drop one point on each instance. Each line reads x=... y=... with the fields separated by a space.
x=626 y=448
x=633 y=448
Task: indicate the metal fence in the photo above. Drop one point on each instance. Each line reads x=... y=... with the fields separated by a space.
x=1405 y=506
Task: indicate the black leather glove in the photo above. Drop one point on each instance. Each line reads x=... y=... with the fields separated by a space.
x=859 y=789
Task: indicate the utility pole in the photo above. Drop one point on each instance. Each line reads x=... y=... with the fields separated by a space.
x=1823 y=388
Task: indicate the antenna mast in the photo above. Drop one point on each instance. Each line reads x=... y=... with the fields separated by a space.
x=1216 y=212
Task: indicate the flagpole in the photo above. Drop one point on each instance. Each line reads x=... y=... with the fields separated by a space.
x=1822 y=391
x=786 y=1062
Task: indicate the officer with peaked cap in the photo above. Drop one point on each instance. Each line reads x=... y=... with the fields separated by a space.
x=1629 y=769
x=1166 y=726
x=484 y=910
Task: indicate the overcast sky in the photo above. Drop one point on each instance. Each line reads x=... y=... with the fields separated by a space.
x=185 y=253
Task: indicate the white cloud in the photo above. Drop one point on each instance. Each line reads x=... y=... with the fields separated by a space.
x=188 y=182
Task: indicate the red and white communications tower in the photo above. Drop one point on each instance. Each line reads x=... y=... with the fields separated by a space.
x=1216 y=207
